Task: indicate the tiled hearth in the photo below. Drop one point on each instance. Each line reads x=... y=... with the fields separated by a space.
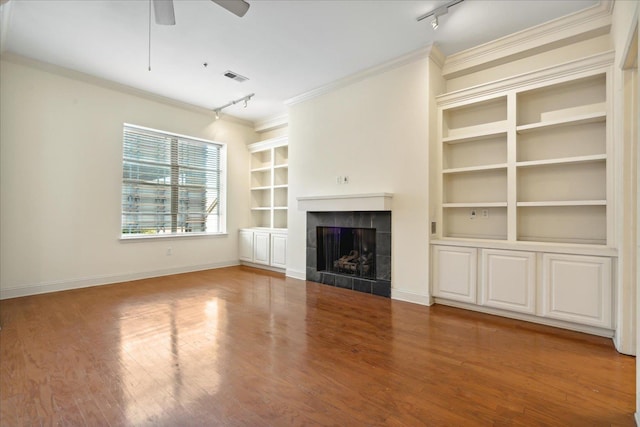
x=378 y=220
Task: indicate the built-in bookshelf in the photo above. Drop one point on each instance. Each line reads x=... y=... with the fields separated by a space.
x=523 y=221
x=527 y=163
x=269 y=183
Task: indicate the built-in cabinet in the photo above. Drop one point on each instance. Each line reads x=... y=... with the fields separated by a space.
x=570 y=288
x=263 y=248
x=577 y=289
x=278 y=250
x=261 y=240
x=264 y=243
x=508 y=280
x=245 y=245
x=454 y=273
x=524 y=218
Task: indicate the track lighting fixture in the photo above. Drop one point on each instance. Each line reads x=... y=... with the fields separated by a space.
x=434 y=14
x=244 y=99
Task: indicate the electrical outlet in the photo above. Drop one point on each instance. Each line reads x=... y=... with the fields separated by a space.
x=169 y=251
x=339 y=179
x=473 y=214
x=485 y=213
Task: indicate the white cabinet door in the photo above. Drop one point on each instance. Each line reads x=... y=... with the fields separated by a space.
x=508 y=280
x=245 y=245
x=577 y=288
x=261 y=247
x=279 y=250
x=454 y=275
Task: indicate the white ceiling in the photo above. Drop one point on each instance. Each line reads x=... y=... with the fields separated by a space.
x=285 y=48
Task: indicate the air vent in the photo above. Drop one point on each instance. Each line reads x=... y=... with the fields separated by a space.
x=235 y=76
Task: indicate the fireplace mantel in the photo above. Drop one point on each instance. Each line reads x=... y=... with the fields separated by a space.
x=346 y=202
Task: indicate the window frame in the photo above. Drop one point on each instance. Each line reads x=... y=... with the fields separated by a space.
x=222 y=198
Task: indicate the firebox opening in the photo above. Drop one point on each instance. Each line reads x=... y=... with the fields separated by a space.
x=348 y=251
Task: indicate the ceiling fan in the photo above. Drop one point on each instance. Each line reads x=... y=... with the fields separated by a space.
x=164 y=9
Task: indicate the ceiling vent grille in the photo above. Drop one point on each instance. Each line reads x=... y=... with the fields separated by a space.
x=235 y=76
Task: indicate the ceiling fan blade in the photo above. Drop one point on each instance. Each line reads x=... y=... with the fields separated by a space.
x=163 y=10
x=237 y=7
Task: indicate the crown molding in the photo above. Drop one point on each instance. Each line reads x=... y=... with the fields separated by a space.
x=437 y=56
x=119 y=87
x=429 y=51
x=589 y=23
x=278 y=141
x=572 y=69
x=629 y=57
x=271 y=123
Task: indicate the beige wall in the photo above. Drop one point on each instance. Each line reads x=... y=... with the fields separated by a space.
x=61 y=168
x=376 y=132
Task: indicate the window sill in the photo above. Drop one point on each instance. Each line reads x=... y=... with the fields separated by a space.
x=143 y=237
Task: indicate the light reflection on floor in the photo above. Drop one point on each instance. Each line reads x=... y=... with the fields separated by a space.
x=157 y=361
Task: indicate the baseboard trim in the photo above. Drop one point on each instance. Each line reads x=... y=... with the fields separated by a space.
x=86 y=282
x=295 y=274
x=638 y=419
x=411 y=297
x=262 y=266
x=593 y=330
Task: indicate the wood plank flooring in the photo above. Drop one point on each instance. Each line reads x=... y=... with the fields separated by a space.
x=243 y=347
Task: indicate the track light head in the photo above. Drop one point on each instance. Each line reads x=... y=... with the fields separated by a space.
x=436 y=13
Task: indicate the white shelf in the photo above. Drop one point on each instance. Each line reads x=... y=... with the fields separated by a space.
x=261 y=188
x=476 y=133
x=262 y=208
x=476 y=168
x=281 y=186
x=261 y=169
x=280 y=208
x=476 y=205
x=569 y=121
x=285 y=166
x=564 y=160
x=563 y=203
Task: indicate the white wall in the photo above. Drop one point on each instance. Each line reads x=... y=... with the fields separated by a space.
x=61 y=168
x=376 y=132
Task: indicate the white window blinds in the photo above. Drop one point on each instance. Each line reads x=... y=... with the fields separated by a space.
x=171 y=184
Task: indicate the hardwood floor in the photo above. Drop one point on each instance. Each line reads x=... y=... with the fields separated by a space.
x=243 y=347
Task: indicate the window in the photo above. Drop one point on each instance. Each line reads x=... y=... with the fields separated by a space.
x=171 y=184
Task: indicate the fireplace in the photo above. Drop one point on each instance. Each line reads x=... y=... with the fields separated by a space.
x=347 y=250
x=350 y=249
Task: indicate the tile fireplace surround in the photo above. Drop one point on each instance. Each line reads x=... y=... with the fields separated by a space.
x=360 y=211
